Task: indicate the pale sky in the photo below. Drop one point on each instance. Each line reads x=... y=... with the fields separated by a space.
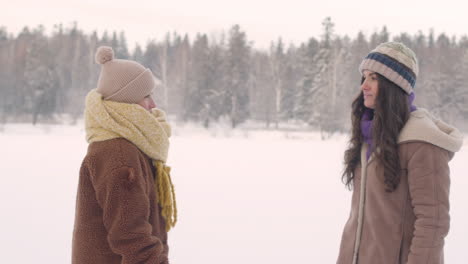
x=264 y=21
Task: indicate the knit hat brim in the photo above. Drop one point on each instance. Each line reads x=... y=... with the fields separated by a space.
x=130 y=94
x=389 y=73
x=394 y=61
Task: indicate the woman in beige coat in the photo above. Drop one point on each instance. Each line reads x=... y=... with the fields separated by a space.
x=397 y=167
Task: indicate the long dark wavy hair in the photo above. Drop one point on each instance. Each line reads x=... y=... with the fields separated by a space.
x=392 y=110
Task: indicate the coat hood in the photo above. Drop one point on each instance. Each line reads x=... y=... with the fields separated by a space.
x=423 y=126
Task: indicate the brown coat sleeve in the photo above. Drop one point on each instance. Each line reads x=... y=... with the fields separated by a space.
x=429 y=182
x=123 y=196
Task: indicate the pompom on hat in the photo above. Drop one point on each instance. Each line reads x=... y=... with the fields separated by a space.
x=122 y=81
x=394 y=61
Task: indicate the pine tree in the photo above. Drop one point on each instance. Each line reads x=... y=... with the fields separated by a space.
x=292 y=72
x=121 y=49
x=238 y=73
x=442 y=85
x=263 y=90
x=137 y=54
x=19 y=103
x=308 y=69
x=324 y=88
x=198 y=86
x=40 y=81
x=178 y=75
x=217 y=76
x=81 y=66
x=278 y=68
x=6 y=80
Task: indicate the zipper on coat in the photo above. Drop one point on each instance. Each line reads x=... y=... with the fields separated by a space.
x=362 y=199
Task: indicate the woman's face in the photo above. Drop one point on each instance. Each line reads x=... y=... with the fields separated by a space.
x=147 y=103
x=370 y=88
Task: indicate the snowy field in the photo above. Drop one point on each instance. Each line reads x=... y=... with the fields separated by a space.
x=246 y=197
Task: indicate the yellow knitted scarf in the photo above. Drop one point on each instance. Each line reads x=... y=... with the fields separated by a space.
x=149 y=131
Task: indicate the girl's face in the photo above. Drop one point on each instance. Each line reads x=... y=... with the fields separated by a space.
x=370 y=88
x=147 y=103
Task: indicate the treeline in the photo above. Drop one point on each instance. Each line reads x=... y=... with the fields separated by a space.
x=45 y=77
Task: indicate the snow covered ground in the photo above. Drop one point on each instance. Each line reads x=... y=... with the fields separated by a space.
x=244 y=196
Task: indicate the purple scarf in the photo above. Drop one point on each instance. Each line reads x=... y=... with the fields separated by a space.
x=366 y=124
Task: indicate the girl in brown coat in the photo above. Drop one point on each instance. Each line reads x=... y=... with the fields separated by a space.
x=125 y=202
x=397 y=166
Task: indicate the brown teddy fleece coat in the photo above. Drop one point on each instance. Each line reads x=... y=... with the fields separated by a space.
x=407 y=226
x=118 y=218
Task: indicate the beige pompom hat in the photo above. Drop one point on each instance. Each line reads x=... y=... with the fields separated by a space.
x=124 y=81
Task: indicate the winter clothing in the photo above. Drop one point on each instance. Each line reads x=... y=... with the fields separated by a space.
x=148 y=131
x=118 y=219
x=366 y=130
x=122 y=80
x=125 y=202
x=408 y=225
x=394 y=61
x=411 y=98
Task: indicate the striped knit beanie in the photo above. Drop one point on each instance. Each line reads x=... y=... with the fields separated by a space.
x=123 y=81
x=394 y=61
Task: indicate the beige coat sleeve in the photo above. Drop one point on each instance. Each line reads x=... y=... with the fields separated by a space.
x=429 y=183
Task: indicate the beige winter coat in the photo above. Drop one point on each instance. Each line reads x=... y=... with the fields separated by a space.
x=407 y=226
